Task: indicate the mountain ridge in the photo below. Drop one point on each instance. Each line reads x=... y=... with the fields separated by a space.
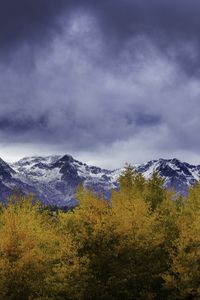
x=54 y=179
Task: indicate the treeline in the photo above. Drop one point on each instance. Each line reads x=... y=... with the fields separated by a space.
x=142 y=244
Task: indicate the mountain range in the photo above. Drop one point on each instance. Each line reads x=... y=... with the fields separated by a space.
x=54 y=179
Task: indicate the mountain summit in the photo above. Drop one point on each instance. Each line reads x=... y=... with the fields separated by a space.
x=176 y=174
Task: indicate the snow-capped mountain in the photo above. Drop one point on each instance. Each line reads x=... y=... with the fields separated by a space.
x=176 y=174
x=54 y=179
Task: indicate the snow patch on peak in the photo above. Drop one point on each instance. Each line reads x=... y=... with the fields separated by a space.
x=37 y=169
x=31 y=160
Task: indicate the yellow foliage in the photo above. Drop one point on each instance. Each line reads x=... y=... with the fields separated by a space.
x=30 y=248
x=141 y=244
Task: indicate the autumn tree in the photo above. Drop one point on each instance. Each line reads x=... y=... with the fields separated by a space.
x=183 y=276
x=30 y=249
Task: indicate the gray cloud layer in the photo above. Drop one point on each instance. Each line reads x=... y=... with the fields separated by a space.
x=110 y=81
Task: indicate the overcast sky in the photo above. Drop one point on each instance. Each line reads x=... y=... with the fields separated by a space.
x=107 y=81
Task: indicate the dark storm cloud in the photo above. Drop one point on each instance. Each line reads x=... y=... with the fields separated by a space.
x=173 y=27
x=87 y=75
x=168 y=19
x=27 y=20
x=169 y=24
x=164 y=21
x=13 y=124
